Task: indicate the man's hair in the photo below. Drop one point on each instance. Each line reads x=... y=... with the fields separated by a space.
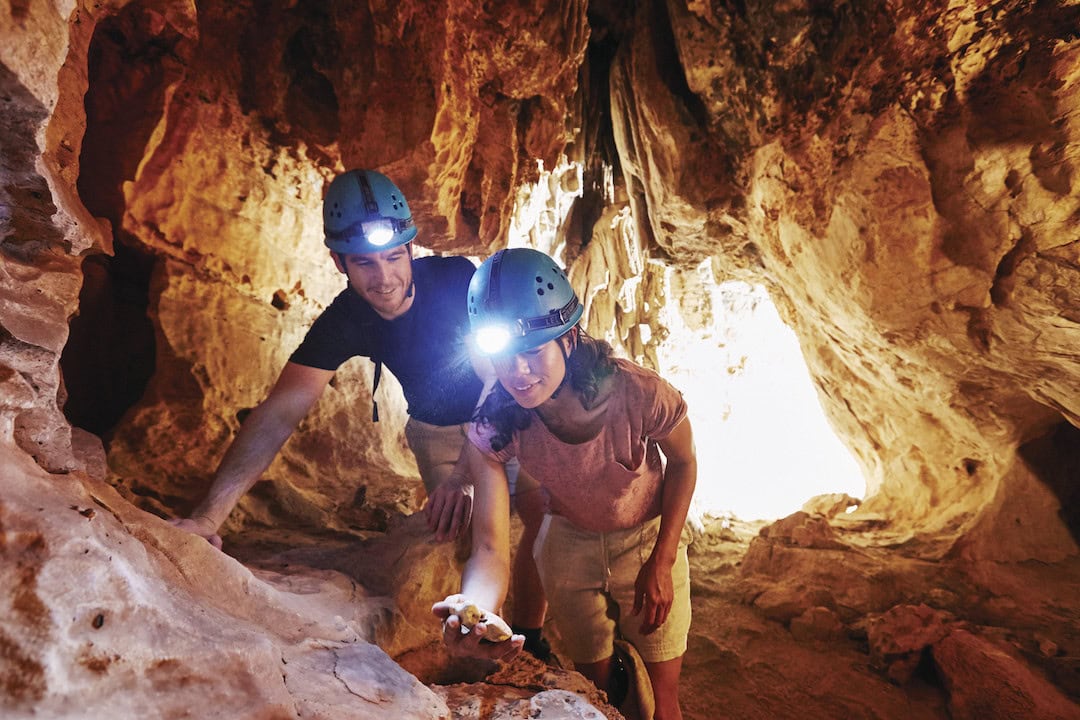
x=590 y=362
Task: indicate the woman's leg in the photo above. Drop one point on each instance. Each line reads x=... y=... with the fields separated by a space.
x=662 y=650
x=665 y=685
x=663 y=676
x=568 y=561
x=599 y=673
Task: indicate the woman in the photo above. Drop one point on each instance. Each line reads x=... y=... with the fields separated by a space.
x=590 y=429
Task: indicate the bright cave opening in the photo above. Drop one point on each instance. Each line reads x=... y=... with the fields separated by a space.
x=763 y=442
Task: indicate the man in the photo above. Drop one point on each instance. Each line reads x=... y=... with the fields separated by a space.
x=409 y=314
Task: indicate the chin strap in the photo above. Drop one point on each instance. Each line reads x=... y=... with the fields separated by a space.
x=566 y=365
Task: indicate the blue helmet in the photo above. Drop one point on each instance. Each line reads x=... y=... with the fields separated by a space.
x=364 y=212
x=520 y=299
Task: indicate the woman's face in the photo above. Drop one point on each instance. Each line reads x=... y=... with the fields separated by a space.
x=532 y=376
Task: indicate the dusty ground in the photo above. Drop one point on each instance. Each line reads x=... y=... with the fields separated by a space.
x=742 y=665
x=752 y=652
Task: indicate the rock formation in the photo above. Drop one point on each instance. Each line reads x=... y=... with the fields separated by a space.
x=900 y=176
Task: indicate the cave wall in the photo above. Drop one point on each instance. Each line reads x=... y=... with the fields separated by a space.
x=899 y=177
x=902 y=179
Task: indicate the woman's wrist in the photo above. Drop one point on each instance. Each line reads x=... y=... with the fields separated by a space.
x=664 y=555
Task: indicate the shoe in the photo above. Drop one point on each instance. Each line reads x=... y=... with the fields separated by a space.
x=535 y=643
x=540 y=649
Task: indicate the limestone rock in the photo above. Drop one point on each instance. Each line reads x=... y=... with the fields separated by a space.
x=986 y=681
x=816 y=623
x=830 y=505
x=474 y=703
x=527 y=688
x=898 y=637
x=803 y=530
x=108 y=610
x=355 y=681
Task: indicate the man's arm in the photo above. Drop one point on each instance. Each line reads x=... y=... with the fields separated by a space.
x=449 y=507
x=654 y=592
x=260 y=438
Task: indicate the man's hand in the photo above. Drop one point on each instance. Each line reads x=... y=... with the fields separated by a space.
x=469 y=642
x=449 y=508
x=654 y=594
x=200 y=526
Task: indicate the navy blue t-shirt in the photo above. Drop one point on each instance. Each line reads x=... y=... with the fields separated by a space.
x=424 y=348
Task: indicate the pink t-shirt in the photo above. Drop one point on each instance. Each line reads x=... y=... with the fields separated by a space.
x=613 y=481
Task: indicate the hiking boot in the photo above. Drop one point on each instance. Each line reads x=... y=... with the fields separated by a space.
x=535 y=643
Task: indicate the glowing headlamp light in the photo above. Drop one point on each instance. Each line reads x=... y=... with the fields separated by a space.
x=492 y=339
x=378 y=232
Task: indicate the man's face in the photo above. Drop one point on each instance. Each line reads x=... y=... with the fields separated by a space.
x=382 y=279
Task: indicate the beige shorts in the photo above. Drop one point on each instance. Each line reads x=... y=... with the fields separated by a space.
x=588 y=578
x=437 y=448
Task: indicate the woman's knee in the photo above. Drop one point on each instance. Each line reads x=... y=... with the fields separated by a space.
x=664 y=677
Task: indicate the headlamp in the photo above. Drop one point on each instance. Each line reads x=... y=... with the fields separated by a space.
x=492 y=339
x=378 y=232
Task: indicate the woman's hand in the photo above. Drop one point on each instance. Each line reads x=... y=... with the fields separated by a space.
x=654 y=594
x=465 y=636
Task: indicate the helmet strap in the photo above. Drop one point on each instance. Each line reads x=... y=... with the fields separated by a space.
x=571 y=336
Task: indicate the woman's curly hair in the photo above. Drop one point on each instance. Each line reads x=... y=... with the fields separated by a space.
x=590 y=362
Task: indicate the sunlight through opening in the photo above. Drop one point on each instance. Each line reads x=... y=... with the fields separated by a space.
x=763 y=443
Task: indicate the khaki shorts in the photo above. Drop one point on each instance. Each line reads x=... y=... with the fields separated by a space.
x=437 y=448
x=589 y=581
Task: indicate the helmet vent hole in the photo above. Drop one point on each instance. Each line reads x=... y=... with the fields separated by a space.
x=540 y=291
x=550 y=286
x=539 y=279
